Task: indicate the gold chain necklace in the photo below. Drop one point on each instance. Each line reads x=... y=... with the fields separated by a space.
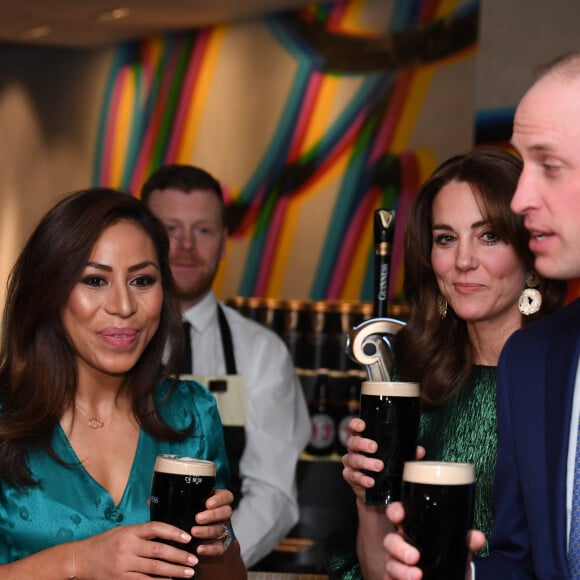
x=94 y=423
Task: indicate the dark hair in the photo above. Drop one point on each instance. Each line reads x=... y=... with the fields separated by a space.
x=185 y=178
x=435 y=352
x=38 y=370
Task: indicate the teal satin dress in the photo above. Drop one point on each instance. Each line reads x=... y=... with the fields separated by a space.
x=68 y=504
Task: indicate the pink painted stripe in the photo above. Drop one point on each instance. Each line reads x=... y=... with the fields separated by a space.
x=303 y=120
x=410 y=183
x=349 y=246
x=152 y=129
x=342 y=144
x=149 y=64
x=106 y=177
x=392 y=116
x=336 y=15
x=270 y=245
x=428 y=11
x=186 y=97
x=251 y=216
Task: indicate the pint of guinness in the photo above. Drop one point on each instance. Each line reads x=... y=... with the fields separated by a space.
x=179 y=490
x=390 y=411
x=438 y=498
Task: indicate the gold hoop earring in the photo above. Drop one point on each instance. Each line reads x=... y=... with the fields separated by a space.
x=530 y=300
x=441 y=306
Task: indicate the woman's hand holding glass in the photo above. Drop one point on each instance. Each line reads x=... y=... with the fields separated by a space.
x=211 y=523
x=133 y=550
x=356 y=462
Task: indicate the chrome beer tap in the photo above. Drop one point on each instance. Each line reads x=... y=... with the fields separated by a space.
x=370 y=345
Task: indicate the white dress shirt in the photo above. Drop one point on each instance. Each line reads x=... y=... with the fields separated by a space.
x=277 y=428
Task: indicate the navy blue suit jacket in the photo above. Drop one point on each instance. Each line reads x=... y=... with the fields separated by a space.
x=536 y=377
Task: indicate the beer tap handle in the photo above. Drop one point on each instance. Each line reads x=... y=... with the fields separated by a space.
x=383 y=236
x=369 y=345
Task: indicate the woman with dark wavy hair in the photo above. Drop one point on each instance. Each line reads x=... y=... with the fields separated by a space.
x=470 y=283
x=86 y=403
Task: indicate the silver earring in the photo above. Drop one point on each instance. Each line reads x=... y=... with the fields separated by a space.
x=441 y=306
x=530 y=300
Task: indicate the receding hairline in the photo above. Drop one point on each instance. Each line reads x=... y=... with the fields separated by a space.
x=566 y=66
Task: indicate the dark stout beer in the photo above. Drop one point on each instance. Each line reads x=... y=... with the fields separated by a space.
x=179 y=490
x=438 y=500
x=390 y=411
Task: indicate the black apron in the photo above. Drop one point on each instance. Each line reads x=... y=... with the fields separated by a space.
x=230 y=394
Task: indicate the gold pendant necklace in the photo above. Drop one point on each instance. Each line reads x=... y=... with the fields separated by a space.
x=94 y=423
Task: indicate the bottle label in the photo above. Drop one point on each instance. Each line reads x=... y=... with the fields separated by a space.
x=323 y=431
x=343 y=429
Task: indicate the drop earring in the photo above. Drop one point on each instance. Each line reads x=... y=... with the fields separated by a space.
x=530 y=300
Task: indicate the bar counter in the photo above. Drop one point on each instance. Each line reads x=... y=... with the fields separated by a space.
x=284 y=576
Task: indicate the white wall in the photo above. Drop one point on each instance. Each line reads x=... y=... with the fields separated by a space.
x=517 y=36
x=49 y=106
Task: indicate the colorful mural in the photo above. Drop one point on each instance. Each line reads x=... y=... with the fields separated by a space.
x=344 y=131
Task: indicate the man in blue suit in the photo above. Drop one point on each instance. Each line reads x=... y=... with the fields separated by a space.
x=538 y=390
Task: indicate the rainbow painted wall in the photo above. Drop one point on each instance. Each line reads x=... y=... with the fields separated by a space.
x=311 y=119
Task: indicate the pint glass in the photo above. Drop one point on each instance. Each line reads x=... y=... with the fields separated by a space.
x=438 y=498
x=390 y=411
x=179 y=490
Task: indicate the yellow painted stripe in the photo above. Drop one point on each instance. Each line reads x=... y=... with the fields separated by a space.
x=123 y=128
x=319 y=120
x=357 y=269
x=352 y=16
x=413 y=104
x=202 y=88
x=294 y=210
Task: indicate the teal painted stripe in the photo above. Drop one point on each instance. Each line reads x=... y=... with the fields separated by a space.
x=349 y=190
x=256 y=250
x=371 y=89
x=120 y=57
x=276 y=153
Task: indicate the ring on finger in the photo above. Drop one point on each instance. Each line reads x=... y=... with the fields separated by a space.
x=225 y=533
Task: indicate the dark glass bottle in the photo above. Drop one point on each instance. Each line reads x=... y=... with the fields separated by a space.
x=323 y=430
x=348 y=409
x=295 y=332
x=324 y=335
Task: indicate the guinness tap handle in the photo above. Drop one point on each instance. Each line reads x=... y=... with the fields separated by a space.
x=384 y=228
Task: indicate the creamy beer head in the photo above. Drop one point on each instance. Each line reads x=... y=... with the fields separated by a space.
x=390 y=389
x=180 y=465
x=439 y=473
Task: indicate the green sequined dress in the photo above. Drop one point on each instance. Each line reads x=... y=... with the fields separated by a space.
x=464 y=430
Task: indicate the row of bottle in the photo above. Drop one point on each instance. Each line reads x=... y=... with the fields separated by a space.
x=315 y=331
x=333 y=400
